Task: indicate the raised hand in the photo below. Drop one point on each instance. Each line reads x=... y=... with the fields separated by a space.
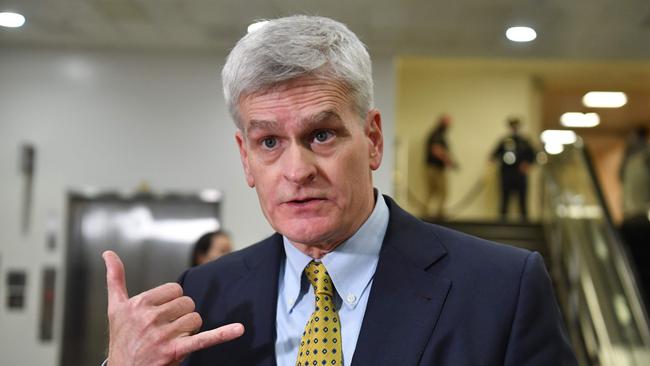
x=157 y=326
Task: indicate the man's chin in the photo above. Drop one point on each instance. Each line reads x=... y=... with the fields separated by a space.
x=309 y=240
x=308 y=233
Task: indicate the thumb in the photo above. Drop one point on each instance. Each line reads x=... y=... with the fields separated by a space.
x=115 y=280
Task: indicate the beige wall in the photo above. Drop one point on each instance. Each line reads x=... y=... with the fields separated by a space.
x=479 y=95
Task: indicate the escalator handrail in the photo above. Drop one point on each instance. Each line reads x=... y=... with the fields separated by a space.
x=622 y=259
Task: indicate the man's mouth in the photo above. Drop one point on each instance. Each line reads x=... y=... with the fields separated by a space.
x=304 y=201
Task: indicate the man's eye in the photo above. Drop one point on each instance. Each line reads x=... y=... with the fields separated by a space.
x=322 y=136
x=270 y=142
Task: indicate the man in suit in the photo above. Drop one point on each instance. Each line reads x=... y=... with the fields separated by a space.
x=349 y=278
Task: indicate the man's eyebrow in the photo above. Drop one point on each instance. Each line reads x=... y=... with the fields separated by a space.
x=309 y=121
x=261 y=124
x=328 y=115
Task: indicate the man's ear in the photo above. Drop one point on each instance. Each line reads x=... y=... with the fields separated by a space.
x=243 y=154
x=375 y=138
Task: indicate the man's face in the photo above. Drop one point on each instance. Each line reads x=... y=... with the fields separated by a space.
x=309 y=156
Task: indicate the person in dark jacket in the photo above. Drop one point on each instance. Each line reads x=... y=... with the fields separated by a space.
x=515 y=154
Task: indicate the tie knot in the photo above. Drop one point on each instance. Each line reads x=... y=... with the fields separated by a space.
x=319 y=278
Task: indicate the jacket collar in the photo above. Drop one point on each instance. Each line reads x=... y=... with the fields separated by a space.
x=405 y=298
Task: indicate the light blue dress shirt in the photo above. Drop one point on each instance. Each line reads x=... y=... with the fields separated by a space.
x=351 y=266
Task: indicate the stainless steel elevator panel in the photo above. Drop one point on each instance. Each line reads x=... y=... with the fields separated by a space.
x=152 y=235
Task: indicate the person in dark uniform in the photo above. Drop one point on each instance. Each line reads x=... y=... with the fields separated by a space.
x=439 y=160
x=515 y=154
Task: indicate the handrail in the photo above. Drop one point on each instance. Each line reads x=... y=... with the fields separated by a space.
x=598 y=290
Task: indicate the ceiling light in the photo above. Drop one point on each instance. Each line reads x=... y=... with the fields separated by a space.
x=553 y=149
x=602 y=99
x=521 y=34
x=577 y=119
x=11 y=20
x=564 y=137
x=257 y=25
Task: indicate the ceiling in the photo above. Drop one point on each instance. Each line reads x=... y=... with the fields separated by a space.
x=568 y=30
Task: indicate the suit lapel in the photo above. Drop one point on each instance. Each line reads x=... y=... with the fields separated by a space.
x=257 y=293
x=405 y=300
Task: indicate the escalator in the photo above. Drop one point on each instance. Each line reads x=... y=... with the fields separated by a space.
x=524 y=235
x=594 y=278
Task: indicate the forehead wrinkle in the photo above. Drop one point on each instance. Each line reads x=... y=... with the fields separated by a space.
x=291 y=99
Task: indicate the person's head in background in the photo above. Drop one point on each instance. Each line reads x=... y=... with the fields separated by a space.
x=442 y=123
x=642 y=133
x=514 y=124
x=444 y=120
x=210 y=246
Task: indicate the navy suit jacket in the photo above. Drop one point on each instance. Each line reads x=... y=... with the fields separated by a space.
x=438 y=297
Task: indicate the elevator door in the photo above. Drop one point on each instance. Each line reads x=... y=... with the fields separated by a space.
x=152 y=235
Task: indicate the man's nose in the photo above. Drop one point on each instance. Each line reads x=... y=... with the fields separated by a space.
x=299 y=167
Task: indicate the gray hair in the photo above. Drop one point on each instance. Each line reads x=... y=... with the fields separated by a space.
x=285 y=49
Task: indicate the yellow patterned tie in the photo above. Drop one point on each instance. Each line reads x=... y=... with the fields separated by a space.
x=321 y=341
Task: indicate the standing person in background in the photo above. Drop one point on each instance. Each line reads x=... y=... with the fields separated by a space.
x=515 y=154
x=635 y=175
x=635 y=142
x=210 y=246
x=439 y=160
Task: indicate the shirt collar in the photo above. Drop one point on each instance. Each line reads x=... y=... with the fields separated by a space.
x=351 y=265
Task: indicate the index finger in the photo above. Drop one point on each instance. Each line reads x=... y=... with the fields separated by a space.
x=208 y=338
